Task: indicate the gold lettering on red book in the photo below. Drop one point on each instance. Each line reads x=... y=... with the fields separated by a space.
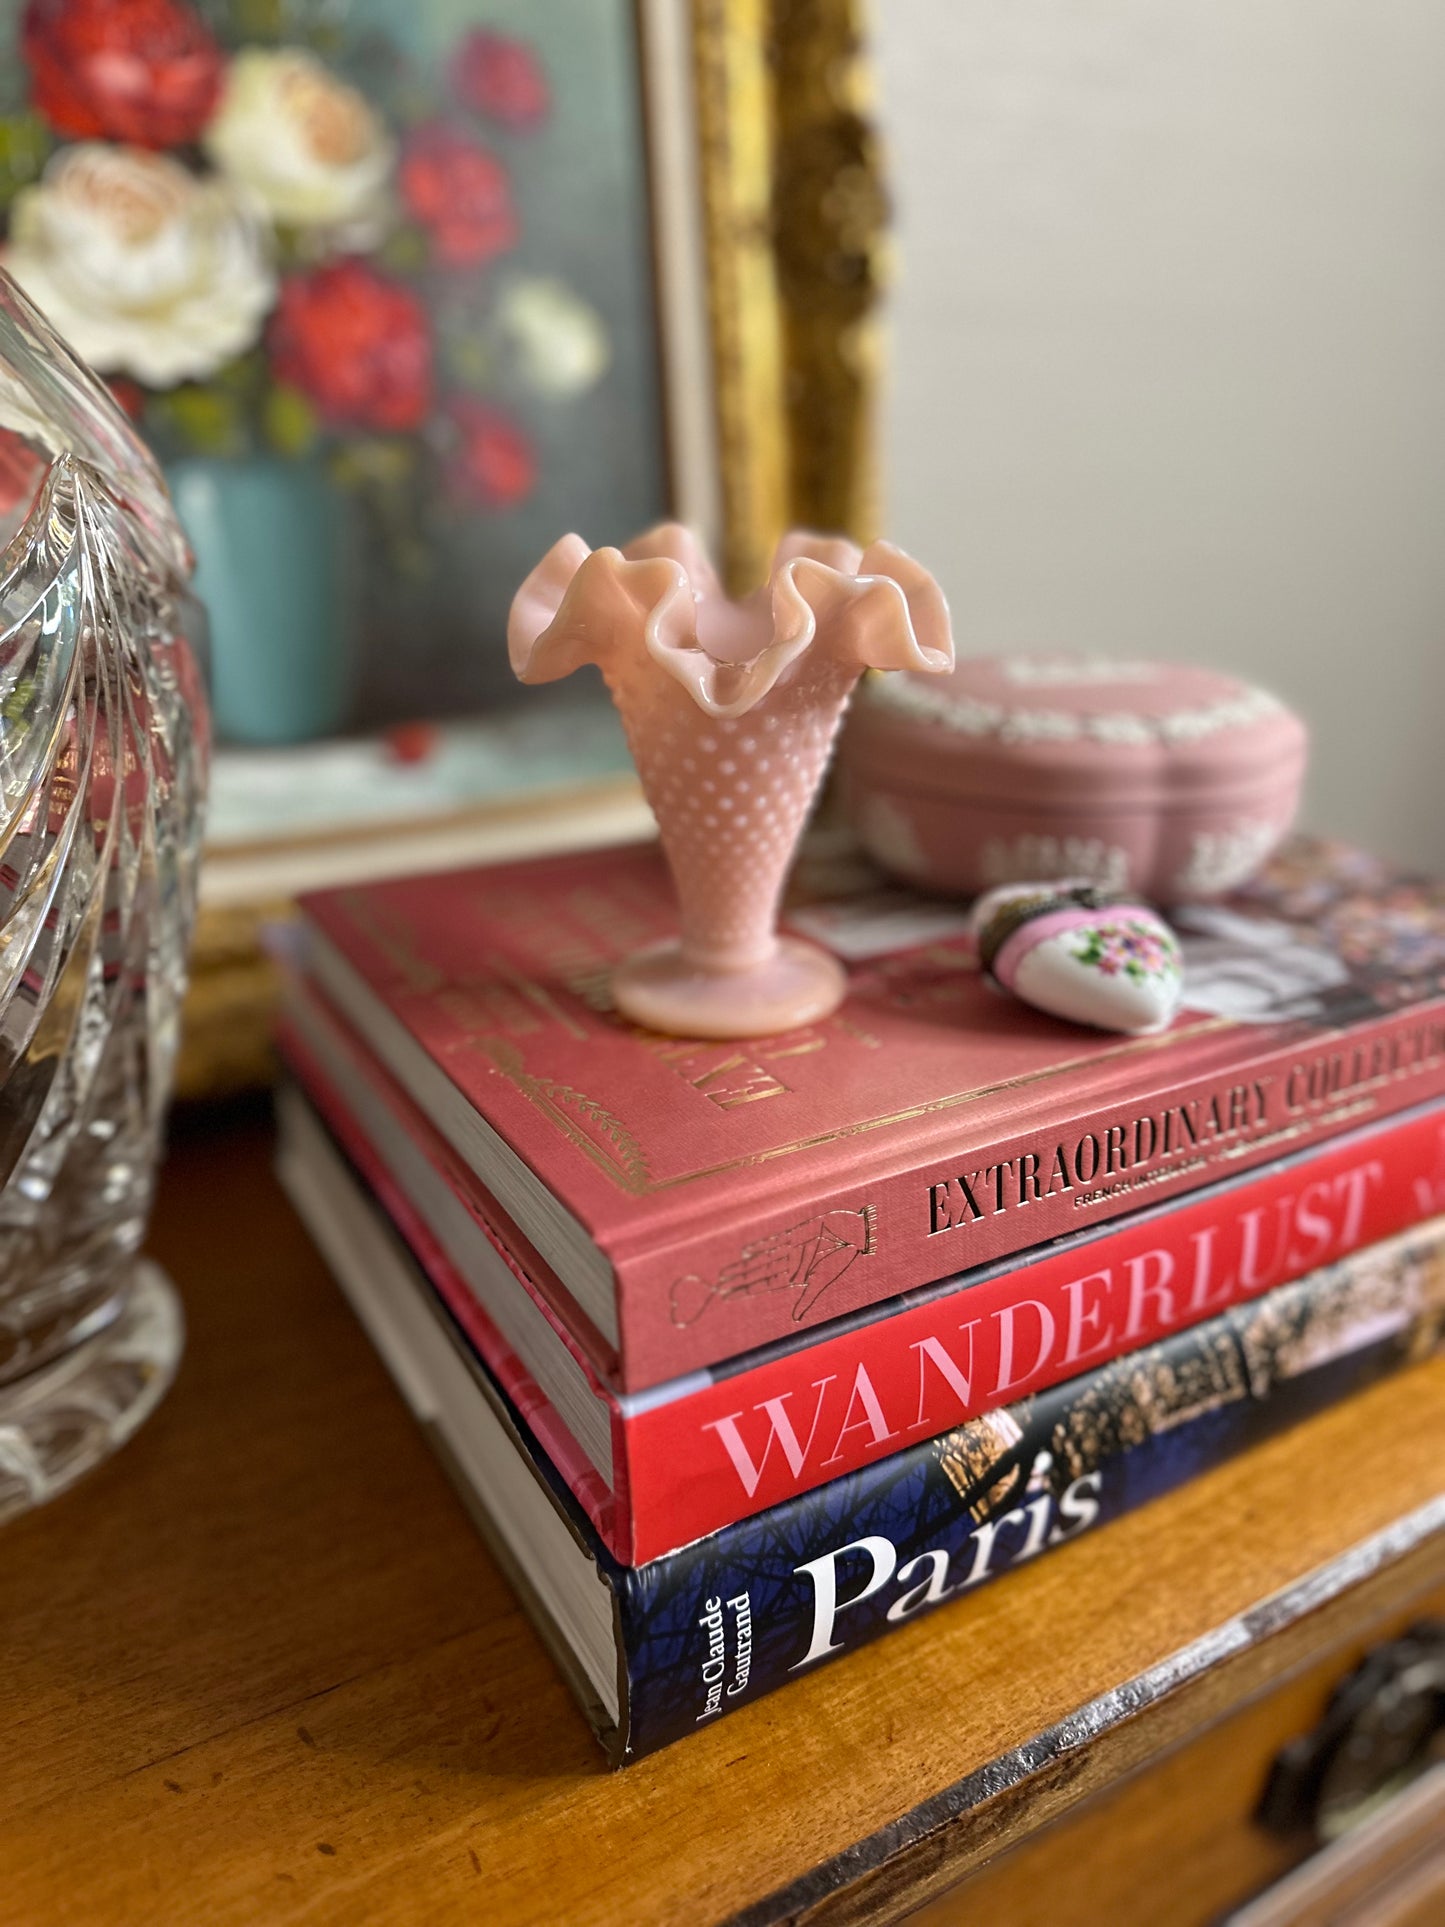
x=734 y=1078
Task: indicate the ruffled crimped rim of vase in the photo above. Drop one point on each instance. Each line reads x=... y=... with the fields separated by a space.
x=825 y=599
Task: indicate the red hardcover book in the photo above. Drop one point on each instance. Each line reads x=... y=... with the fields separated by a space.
x=656 y=1471
x=695 y=1201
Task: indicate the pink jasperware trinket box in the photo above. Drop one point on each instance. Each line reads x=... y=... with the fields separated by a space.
x=1171 y=781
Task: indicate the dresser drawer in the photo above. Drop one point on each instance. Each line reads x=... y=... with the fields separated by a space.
x=1178 y=1840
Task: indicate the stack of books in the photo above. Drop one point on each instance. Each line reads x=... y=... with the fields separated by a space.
x=745 y=1353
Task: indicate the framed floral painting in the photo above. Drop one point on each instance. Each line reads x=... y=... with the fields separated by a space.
x=376 y=280
x=400 y=290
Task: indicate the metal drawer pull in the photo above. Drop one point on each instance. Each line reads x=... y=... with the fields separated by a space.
x=1384 y=1724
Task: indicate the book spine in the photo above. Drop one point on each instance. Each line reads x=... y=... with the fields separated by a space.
x=724 y=1621
x=809 y=1254
x=749 y=1440
x=608 y=1508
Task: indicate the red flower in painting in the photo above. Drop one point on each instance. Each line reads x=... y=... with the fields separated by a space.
x=461 y=194
x=502 y=79
x=142 y=71
x=129 y=394
x=356 y=345
x=494 y=462
x=413 y=742
x=21 y=472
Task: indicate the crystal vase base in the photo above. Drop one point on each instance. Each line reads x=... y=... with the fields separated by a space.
x=60 y=1422
x=661 y=990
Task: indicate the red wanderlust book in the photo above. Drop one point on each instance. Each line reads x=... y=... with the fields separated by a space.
x=695 y=1201
x=655 y=1471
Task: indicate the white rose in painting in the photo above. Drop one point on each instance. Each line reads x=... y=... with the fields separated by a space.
x=305 y=143
x=145 y=270
x=560 y=342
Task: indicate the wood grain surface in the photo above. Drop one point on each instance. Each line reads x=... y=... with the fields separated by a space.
x=260 y=1669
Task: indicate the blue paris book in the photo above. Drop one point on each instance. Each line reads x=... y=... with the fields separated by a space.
x=657 y=1651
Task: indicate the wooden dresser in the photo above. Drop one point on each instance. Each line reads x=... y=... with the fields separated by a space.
x=260 y=1669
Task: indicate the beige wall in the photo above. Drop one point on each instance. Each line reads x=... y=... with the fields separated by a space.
x=1168 y=351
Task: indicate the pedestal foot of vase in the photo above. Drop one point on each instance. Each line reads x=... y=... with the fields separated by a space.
x=661 y=990
x=60 y=1422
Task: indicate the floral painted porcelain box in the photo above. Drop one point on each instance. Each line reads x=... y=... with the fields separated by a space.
x=1160 y=778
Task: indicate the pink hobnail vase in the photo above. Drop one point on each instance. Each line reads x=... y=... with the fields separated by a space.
x=730 y=709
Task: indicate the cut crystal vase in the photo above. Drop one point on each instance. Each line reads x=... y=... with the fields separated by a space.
x=103 y=753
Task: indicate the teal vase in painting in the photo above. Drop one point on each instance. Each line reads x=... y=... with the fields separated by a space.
x=276 y=552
